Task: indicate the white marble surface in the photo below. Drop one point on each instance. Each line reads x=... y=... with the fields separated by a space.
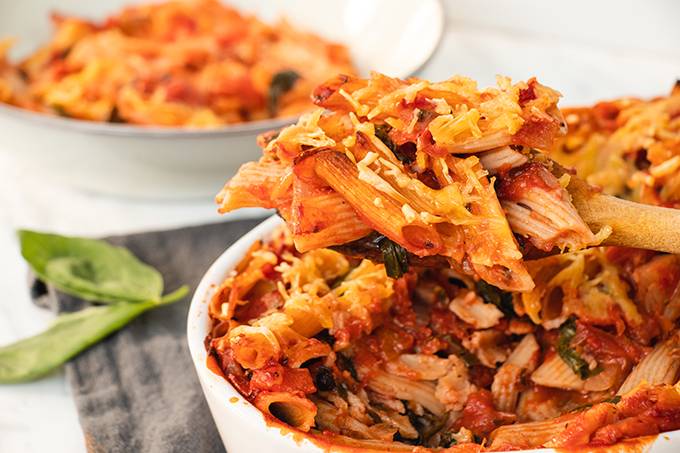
x=588 y=50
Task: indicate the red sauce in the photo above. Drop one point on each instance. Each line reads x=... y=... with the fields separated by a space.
x=537 y=132
x=274 y=377
x=258 y=306
x=515 y=186
x=604 y=345
x=480 y=416
x=426 y=144
x=527 y=94
x=212 y=365
x=482 y=376
x=628 y=258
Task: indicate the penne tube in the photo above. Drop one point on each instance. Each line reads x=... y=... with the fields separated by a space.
x=340 y=225
x=539 y=208
x=528 y=435
x=660 y=366
x=555 y=373
x=254 y=185
x=341 y=174
x=502 y=159
x=420 y=392
x=253 y=346
x=506 y=383
x=296 y=411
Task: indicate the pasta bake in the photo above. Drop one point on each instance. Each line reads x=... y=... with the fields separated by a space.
x=628 y=147
x=193 y=63
x=337 y=349
x=442 y=171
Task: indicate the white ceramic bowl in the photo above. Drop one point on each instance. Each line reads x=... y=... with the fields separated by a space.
x=393 y=37
x=242 y=427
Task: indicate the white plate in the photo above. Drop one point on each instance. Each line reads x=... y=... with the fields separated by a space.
x=242 y=427
x=393 y=37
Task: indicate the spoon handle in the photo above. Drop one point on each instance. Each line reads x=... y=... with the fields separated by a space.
x=633 y=224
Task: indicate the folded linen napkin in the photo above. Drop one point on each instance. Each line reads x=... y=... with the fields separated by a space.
x=137 y=391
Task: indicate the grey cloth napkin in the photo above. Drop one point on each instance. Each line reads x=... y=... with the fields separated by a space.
x=137 y=391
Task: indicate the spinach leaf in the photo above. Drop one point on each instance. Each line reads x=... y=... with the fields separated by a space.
x=492 y=295
x=382 y=131
x=569 y=355
x=90 y=269
x=281 y=83
x=69 y=335
x=395 y=256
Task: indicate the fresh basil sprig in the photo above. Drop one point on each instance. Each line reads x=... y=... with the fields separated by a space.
x=70 y=334
x=92 y=270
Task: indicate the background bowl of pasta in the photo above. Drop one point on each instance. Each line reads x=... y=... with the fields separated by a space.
x=169 y=145
x=242 y=426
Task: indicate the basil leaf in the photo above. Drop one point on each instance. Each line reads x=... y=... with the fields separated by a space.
x=492 y=295
x=69 y=335
x=90 y=269
x=395 y=256
x=281 y=83
x=568 y=354
x=382 y=132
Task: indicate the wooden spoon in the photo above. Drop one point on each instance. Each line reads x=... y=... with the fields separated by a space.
x=633 y=224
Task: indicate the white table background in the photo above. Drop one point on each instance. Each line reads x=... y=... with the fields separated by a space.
x=588 y=50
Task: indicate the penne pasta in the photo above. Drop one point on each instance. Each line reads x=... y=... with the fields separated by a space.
x=339 y=172
x=660 y=366
x=539 y=208
x=506 y=383
x=528 y=435
x=295 y=411
x=422 y=393
x=554 y=372
x=502 y=159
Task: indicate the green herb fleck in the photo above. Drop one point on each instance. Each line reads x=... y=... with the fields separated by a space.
x=569 y=355
x=613 y=400
x=447 y=440
x=345 y=363
x=281 y=83
x=455 y=347
x=382 y=132
x=492 y=295
x=394 y=255
x=114 y=116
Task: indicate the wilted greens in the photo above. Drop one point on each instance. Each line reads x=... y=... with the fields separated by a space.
x=569 y=355
x=395 y=256
x=281 y=83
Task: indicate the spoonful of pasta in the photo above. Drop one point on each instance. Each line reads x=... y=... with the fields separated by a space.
x=430 y=173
